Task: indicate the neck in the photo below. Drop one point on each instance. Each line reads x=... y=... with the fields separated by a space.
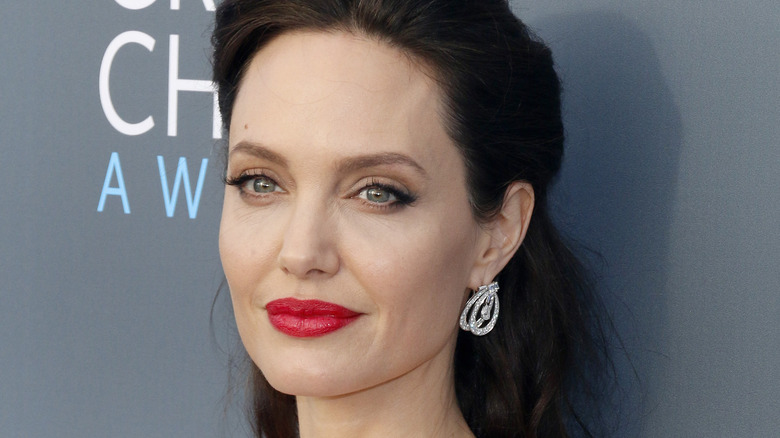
x=419 y=403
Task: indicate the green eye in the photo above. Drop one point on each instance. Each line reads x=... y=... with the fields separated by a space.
x=263 y=185
x=378 y=195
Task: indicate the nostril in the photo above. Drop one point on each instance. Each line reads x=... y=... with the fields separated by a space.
x=308 y=247
x=308 y=261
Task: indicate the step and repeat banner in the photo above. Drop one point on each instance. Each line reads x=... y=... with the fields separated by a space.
x=176 y=85
x=111 y=175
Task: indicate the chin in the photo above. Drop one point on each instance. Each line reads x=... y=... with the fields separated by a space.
x=303 y=375
x=307 y=385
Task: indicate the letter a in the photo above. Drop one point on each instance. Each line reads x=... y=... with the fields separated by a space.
x=114 y=167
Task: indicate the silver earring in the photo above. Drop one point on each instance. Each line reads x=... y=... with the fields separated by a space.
x=481 y=312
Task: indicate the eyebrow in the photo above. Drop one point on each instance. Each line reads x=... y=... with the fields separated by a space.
x=347 y=165
x=259 y=151
x=352 y=164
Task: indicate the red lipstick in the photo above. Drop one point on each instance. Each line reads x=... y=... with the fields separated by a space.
x=308 y=318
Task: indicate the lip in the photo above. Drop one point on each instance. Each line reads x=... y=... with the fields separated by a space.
x=308 y=318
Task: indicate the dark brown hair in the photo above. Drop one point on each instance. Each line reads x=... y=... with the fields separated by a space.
x=503 y=112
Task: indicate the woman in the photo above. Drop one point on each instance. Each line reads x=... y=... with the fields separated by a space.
x=385 y=238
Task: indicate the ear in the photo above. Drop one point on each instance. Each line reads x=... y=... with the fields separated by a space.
x=504 y=234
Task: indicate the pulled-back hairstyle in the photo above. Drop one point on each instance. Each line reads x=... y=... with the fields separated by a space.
x=503 y=112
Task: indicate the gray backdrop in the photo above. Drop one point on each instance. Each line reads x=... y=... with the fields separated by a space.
x=672 y=174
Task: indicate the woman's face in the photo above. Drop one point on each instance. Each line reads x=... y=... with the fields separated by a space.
x=346 y=237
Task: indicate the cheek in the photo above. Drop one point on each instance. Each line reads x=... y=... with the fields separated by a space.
x=418 y=273
x=245 y=248
x=246 y=240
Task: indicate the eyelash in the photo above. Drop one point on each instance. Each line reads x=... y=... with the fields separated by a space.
x=240 y=181
x=402 y=197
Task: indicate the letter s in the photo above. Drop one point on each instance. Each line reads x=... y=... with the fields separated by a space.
x=135 y=4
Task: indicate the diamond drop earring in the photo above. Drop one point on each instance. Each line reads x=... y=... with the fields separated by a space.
x=481 y=311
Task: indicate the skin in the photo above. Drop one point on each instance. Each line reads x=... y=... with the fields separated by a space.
x=337 y=131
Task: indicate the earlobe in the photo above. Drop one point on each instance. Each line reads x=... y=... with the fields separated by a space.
x=504 y=234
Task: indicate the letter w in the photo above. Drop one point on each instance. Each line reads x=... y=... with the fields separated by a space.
x=182 y=175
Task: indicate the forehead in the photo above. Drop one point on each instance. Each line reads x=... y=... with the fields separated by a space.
x=337 y=89
x=298 y=63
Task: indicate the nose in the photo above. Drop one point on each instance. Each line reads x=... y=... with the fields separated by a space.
x=309 y=247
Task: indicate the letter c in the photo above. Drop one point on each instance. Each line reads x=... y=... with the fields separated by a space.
x=131 y=36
